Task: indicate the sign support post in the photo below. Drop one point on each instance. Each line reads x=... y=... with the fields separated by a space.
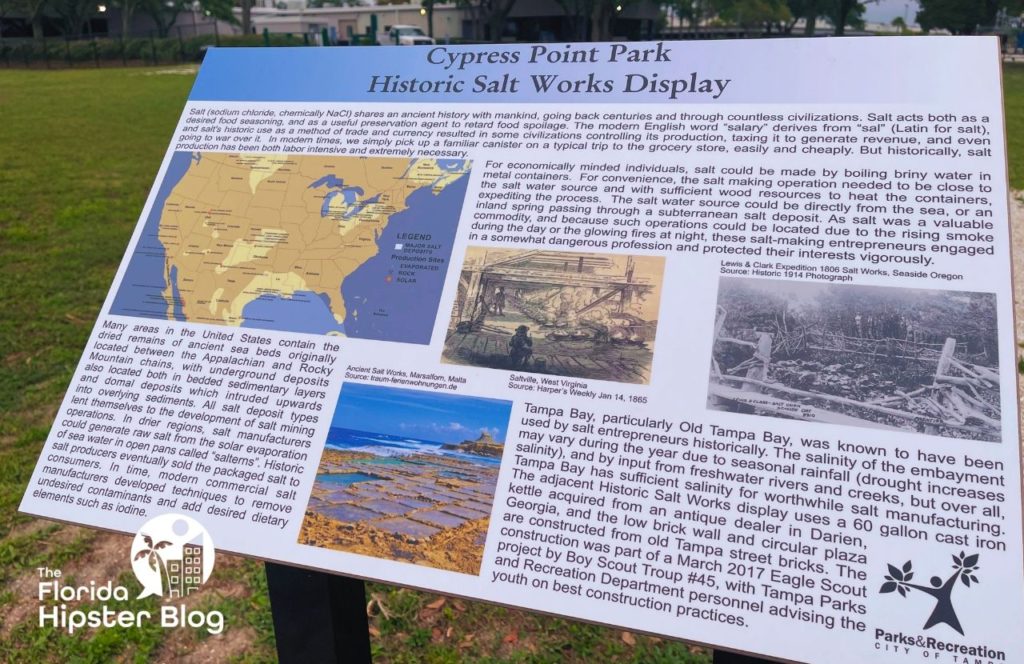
x=318 y=617
x=321 y=617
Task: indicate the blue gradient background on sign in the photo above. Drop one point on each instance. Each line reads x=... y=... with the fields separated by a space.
x=816 y=71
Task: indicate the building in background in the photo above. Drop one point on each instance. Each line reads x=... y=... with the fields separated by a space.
x=527 y=21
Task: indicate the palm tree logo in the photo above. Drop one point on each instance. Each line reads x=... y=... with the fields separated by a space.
x=156 y=561
x=172 y=555
x=964 y=567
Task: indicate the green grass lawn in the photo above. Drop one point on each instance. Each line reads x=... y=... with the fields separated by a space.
x=78 y=152
x=1013 y=102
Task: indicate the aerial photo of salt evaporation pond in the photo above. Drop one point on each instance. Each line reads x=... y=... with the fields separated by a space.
x=408 y=476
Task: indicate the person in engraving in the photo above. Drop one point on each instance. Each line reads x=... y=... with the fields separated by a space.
x=499 y=301
x=520 y=347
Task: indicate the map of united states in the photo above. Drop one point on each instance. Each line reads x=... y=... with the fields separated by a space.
x=300 y=243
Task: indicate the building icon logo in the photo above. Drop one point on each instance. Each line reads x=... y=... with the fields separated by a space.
x=964 y=568
x=172 y=556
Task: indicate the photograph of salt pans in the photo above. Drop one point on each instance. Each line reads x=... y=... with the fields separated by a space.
x=910 y=359
x=409 y=476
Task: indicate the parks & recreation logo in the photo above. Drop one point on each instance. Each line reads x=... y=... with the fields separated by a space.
x=900 y=580
x=172 y=555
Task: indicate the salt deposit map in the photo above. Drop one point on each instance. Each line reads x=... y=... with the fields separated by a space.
x=328 y=245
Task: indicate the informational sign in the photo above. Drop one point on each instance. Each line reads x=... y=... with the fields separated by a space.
x=708 y=340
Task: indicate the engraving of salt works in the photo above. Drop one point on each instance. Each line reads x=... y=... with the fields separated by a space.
x=909 y=359
x=408 y=475
x=578 y=315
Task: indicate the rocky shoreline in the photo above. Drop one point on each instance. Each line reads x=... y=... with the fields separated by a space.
x=485 y=445
x=425 y=509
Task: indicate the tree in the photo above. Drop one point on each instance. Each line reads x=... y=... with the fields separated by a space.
x=428 y=5
x=962 y=17
x=73 y=14
x=601 y=18
x=33 y=11
x=843 y=13
x=488 y=17
x=165 y=12
x=222 y=10
x=578 y=13
x=127 y=8
x=246 y=17
x=691 y=11
x=809 y=11
x=839 y=13
x=156 y=562
x=900 y=25
x=591 y=19
x=335 y=3
x=964 y=568
x=766 y=14
x=5 y=8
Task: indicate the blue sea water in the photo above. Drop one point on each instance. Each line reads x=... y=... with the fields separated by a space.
x=342 y=480
x=141 y=290
x=304 y=311
x=386 y=445
x=332 y=181
x=179 y=313
x=378 y=306
x=451 y=164
x=354 y=210
x=350 y=196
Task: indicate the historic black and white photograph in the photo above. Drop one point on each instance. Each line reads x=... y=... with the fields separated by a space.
x=570 y=314
x=909 y=359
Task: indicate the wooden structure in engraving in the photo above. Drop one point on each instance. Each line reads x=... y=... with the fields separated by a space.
x=579 y=309
x=479 y=284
